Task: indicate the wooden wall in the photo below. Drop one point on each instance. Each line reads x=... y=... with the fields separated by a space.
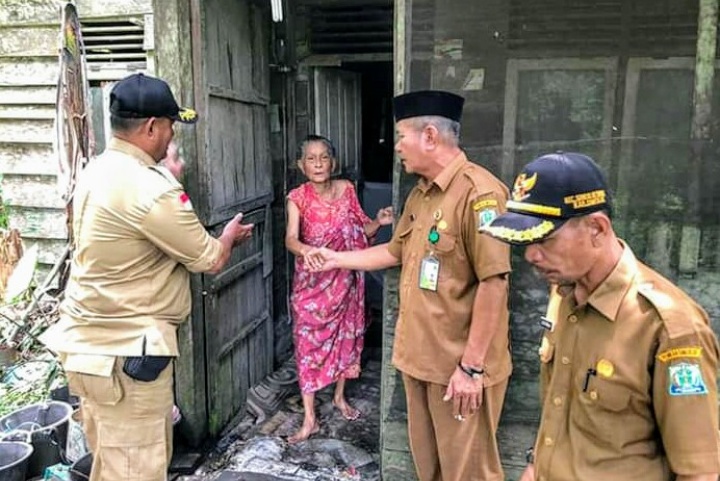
x=28 y=76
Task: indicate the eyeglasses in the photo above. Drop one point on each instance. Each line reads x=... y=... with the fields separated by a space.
x=318 y=161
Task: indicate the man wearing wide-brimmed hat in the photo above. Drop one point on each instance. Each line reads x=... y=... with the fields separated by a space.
x=137 y=238
x=451 y=338
x=628 y=360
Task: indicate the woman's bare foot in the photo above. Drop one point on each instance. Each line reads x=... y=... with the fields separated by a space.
x=308 y=429
x=348 y=412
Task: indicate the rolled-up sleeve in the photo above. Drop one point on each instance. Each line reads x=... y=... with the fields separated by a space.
x=172 y=225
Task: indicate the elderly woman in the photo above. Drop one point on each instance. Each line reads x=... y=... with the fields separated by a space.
x=327 y=307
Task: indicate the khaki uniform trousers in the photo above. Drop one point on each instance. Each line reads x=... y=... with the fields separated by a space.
x=445 y=449
x=128 y=424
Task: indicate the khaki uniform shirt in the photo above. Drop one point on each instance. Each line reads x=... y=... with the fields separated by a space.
x=137 y=237
x=628 y=383
x=433 y=327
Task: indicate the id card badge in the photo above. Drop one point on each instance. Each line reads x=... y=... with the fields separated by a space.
x=429 y=270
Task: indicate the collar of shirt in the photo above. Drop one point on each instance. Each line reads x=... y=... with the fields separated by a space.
x=608 y=296
x=445 y=176
x=132 y=150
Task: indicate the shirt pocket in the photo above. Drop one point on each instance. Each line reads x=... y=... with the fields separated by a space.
x=602 y=412
x=444 y=250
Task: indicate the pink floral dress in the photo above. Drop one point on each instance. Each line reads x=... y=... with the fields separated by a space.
x=328 y=308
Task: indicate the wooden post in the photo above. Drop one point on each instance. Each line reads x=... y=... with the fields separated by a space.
x=395 y=459
x=700 y=133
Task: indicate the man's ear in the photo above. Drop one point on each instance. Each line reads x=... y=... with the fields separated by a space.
x=150 y=126
x=599 y=224
x=431 y=134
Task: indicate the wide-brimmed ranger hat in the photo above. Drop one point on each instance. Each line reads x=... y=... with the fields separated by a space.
x=139 y=96
x=548 y=192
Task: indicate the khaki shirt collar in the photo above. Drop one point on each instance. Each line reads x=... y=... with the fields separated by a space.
x=609 y=295
x=446 y=175
x=132 y=150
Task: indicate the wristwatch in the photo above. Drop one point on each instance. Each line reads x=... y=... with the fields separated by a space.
x=530 y=455
x=472 y=372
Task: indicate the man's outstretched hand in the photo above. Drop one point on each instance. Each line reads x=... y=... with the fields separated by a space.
x=321 y=259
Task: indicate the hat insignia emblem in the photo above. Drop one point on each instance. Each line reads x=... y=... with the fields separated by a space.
x=523 y=185
x=187 y=115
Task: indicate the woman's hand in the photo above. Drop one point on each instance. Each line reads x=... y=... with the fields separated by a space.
x=385 y=216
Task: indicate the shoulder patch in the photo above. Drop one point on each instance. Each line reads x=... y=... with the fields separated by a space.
x=485 y=204
x=680 y=352
x=685 y=379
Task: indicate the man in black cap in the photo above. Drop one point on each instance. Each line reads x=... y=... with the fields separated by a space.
x=628 y=360
x=451 y=338
x=137 y=238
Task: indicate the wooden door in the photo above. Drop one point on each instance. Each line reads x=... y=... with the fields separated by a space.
x=338 y=106
x=234 y=175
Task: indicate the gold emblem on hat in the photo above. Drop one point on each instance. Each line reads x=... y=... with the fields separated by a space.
x=187 y=115
x=523 y=184
x=437 y=215
x=442 y=225
x=605 y=368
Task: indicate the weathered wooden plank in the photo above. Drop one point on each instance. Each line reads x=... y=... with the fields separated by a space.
x=39 y=223
x=30 y=159
x=28 y=71
x=31 y=191
x=47 y=12
x=49 y=250
x=27 y=112
x=26 y=131
x=29 y=41
x=30 y=12
x=115 y=70
x=23 y=95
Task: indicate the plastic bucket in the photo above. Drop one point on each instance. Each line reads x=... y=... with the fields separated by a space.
x=80 y=469
x=14 y=460
x=45 y=426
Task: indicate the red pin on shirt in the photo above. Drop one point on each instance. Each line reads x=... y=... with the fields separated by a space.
x=185 y=201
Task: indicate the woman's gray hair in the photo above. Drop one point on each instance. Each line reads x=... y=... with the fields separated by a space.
x=315 y=138
x=449 y=129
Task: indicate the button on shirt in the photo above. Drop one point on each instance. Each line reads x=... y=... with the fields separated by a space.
x=432 y=328
x=137 y=237
x=633 y=394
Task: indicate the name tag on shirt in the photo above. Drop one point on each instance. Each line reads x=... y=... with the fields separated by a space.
x=429 y=270
x=546 y=323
